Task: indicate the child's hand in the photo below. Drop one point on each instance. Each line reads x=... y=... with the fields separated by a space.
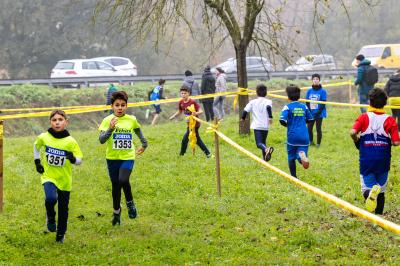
x=357 y=143
x=113 y=122
x=140 y=150
x=39 y=166
x=70 y=156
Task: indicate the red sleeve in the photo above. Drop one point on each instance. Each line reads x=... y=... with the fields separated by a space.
x=180 y=107
x=361 y=123
x=392 y=128
x=196 y=106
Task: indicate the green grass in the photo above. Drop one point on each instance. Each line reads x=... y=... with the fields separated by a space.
x=260 y=218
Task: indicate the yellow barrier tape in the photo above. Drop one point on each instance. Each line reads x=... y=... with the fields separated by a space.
x=192 y=129
x=240 y=91
x=388 y=225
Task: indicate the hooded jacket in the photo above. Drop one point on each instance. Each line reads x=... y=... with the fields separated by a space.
x=207 y=83
x=392 y=87
x=220 y=83
x=363 y=87
x=193 y=86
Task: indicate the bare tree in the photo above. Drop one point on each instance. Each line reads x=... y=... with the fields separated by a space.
x=243 y=21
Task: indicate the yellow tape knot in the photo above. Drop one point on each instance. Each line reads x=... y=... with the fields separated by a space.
x=241 y=91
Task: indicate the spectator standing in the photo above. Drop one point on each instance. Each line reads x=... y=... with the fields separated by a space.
x=392 y=89
x=189 y=82
x=220 y=86
x=208 y=87
x=363 y=88
x=110 y=91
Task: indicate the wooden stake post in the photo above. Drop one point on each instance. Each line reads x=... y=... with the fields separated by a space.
x=1 y=165
x=217 y=160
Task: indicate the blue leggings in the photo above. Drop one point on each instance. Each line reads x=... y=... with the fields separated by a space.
x=120 y=171
x=53 y=194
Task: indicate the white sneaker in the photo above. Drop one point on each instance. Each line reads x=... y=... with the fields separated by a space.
x=147 y=113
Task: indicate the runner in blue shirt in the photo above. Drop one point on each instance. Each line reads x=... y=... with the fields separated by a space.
x=316 y=93
x=295 y=116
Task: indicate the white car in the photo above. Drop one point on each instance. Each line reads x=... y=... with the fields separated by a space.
x=120 y=63
x=253 y=64
x=77 y=68
x=313 y=62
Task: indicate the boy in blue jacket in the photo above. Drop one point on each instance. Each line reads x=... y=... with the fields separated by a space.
x=295 y=116
x=318 y=111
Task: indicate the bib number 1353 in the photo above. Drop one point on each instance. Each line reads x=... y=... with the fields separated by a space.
x=122 y=142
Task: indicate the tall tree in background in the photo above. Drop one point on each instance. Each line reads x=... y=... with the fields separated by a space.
x=242 y=21
x=257 y=21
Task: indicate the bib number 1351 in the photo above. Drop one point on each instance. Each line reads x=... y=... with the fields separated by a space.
x=55 y=160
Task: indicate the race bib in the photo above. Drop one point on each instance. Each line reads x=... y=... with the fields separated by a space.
x=55 y=157
x=122 y=141
x=314 y=106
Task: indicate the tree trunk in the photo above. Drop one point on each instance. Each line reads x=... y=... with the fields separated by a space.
x=244 y=128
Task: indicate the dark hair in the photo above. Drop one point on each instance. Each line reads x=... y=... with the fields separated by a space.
x=377 y=98
x=360 y=57
x=293 y=92
x=161 y=81
x=58 y=112
x=316 y=76
x=184 y=88
x=261 y=90
x=188 y=73
x=121 y=95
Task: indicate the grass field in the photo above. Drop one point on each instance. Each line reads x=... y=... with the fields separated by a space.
x=260 y=218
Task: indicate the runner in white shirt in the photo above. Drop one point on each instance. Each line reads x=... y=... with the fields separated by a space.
x=261 y=110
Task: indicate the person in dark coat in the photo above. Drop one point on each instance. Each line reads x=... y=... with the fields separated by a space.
x=363 y=87
x=392 y=89
x=208 y=87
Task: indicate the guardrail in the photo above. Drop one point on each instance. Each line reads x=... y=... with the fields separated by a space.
x=86 y=81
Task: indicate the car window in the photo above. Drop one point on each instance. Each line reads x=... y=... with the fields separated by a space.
x=317 y=61
x=386 y=53
x=371 y=51
x=303 y=61
x=89 y=65
x=118 y=62
x=103 y=66
x=65 y=65
x=397 y=50
x=328 y=59
x=252 y=61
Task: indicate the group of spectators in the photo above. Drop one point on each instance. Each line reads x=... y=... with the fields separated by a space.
x=210 y=84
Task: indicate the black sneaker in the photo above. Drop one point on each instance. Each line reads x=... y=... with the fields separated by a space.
x=268 y=153
x=51 y=224
x=60 y=238
x=116 y=218
x=132 y=212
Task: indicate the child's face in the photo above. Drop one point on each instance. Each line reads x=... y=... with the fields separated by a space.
x=119 y=107
x=315 y=81
x=58 y=123
x=185 y=95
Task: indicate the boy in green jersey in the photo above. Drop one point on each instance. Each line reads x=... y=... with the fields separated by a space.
x=60 y=150
x=116 y=131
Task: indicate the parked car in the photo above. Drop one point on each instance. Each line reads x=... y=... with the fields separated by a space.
x=77 y=68
x=253 y=64
x=381 y=55
x=313 y=62
x=120 y=63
